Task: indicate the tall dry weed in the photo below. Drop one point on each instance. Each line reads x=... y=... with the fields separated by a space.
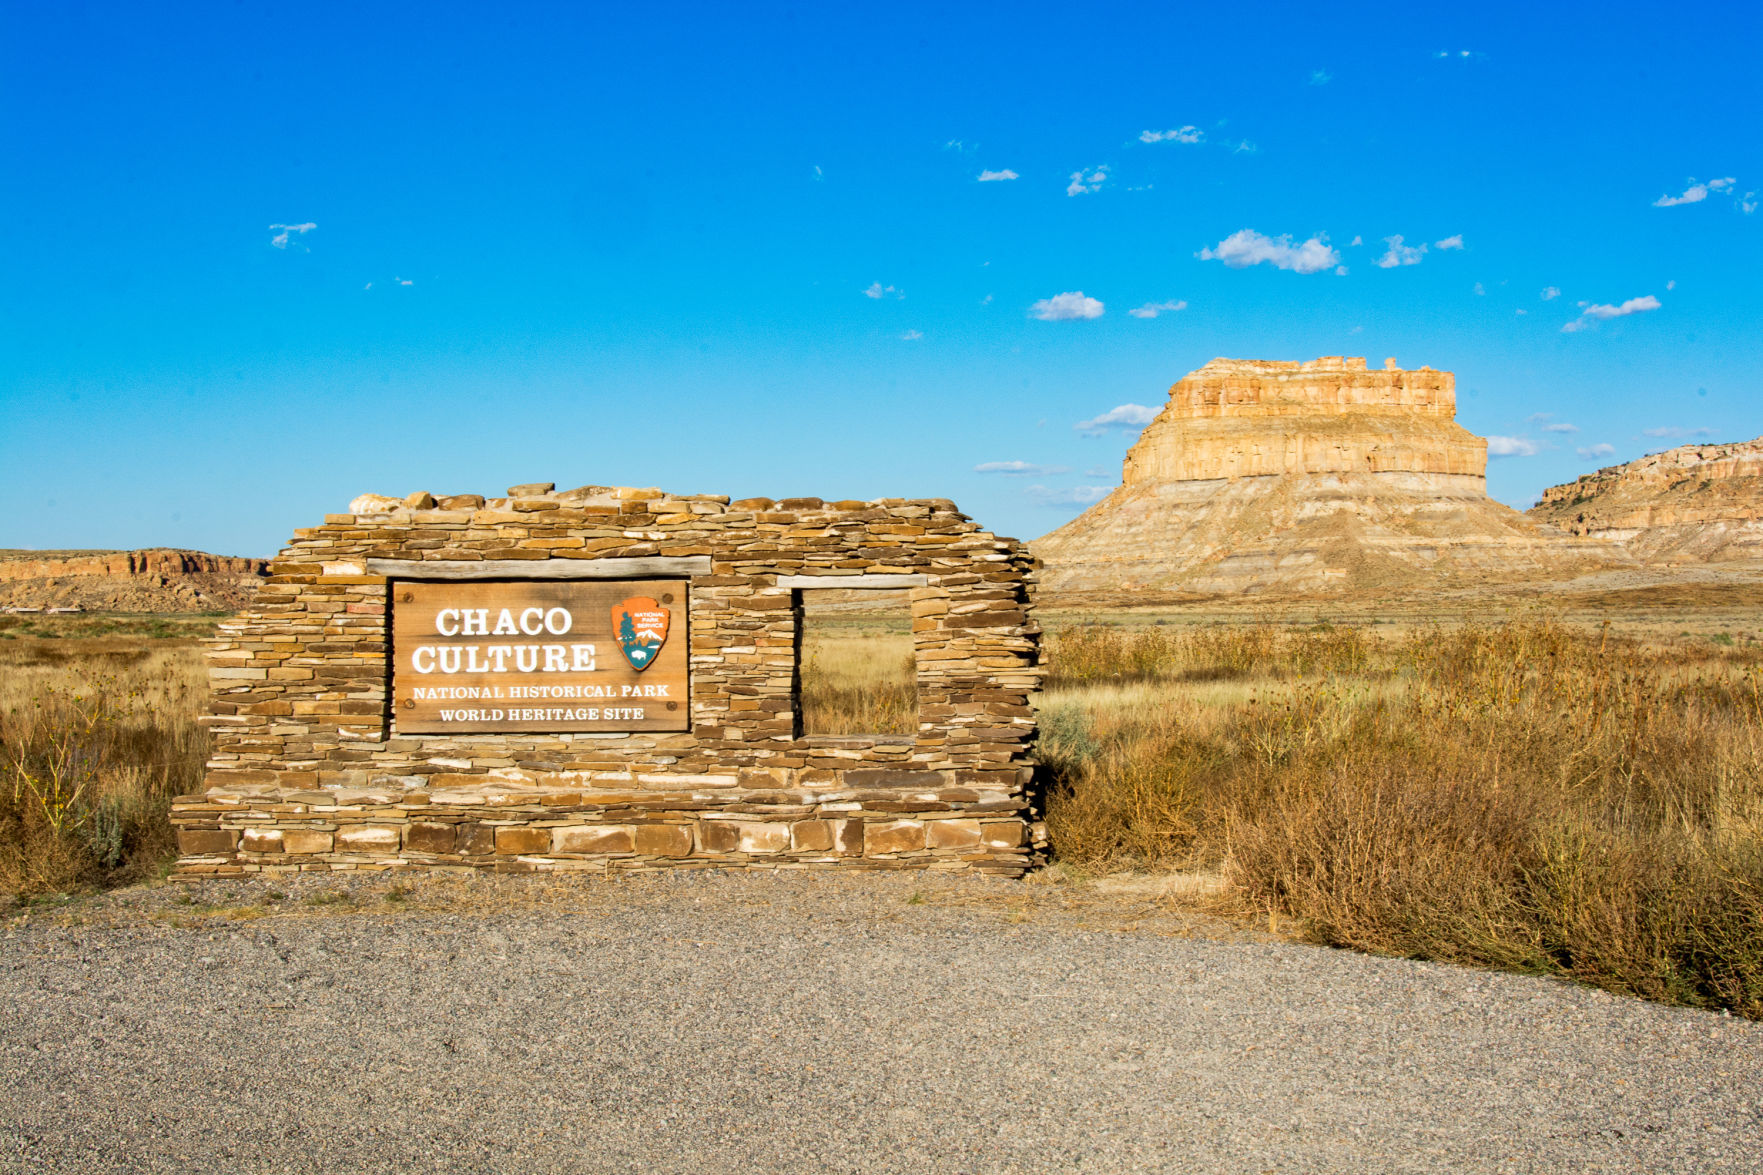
x=1521 y=795
x=94 y=743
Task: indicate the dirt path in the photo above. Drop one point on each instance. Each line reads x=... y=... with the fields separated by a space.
x=724 y=1022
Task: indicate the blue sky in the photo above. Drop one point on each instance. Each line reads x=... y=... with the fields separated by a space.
x=595 y=244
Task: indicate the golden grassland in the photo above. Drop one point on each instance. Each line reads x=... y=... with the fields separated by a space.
x=96 y=737
x=1526 y=795
x=1562 y=800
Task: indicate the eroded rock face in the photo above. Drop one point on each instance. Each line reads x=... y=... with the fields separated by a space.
x=1305 y=478
x=159 y=580
x=1259 y=418
x=1694 y=503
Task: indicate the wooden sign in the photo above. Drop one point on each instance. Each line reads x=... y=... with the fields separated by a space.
x=539 y=656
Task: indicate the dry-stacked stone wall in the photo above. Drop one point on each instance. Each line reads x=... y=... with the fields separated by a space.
x=310 y=772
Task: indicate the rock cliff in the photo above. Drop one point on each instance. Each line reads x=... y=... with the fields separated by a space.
x=159 y=580
x=1307 y=478
x=1692 y=504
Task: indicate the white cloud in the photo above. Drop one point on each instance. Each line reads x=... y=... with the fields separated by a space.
x=1550 y=293
x=288 y=233
x=1594 y=452
x=1020 y=468
x=986 y=301
x=1068 y=307
x=402 y=281
x=1075 y=496
x=1672 y=284
x=1320 y=77
x=1185 y=134
x=1591 y=314
x=1674 y=433
x=1153 y=309
x=1512 y=447
x=1126 y=416
x=1521 y=311
x=912 y=336
x=987 y=177
x=1695 y=193
x=1400 y=254
x=1357 y=240
x=1090 y=182
x=1456 y=54
x=877 y=290
x=1247 y=247
x=1560 y=426
x=1748 y=203
x=1245 y=148
x=1451 y=242
x=1481 y=291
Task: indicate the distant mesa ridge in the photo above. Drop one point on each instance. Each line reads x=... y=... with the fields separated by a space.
x=153 y=580
x=1304 y=478
x=1694 y=503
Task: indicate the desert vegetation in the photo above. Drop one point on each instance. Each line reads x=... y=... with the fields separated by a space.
x=1527 y=795
x=96 y=737
x=1524 y=795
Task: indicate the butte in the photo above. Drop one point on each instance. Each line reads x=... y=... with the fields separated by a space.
x=1304 y=479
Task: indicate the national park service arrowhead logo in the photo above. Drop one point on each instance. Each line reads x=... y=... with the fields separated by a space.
x=641 y=627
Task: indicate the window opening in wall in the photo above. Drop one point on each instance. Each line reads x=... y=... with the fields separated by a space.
x=856 y=670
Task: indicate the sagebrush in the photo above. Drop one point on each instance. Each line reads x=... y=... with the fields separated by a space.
x=1526 y=795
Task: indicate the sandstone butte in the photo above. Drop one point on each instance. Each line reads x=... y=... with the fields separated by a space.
x=157 y=580
x=1321 y=477
x=1691 y=504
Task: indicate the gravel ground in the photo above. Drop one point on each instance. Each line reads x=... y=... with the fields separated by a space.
x=808 y=1022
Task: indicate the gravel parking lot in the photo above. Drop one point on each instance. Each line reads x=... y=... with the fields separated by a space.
x=809 y=1022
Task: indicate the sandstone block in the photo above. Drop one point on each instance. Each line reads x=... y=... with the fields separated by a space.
x=512 y=842
x=718 y=836
x=204 y=842
x=811 y=836
x=261 y=840
x=892 y=836
x=375 y=504
x=368 y=838
x=663 y=840
x=847 y=837
x=1002 y=834
x=765 y=837
x=593 y=838
x=951 y=834
x=306 y=840
x=423 y=836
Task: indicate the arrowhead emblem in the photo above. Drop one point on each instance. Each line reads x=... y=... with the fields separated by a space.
x=640 y=626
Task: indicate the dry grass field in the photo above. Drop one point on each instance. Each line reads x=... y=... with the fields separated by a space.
x=1527 y=795
x=96 y=736
x=1570 y=800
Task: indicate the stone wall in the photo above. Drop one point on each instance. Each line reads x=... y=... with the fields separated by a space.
x=308 y=771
